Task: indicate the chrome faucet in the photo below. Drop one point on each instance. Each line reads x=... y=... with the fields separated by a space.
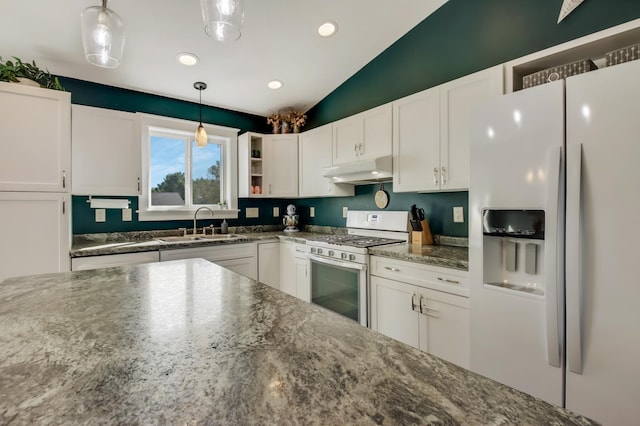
x=195 y=231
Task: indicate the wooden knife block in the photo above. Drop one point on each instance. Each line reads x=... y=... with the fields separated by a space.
x=424 y=237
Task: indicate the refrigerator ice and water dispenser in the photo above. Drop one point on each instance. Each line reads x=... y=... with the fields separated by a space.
x=513 y=246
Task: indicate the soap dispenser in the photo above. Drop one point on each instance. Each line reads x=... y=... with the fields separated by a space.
x=224 y=227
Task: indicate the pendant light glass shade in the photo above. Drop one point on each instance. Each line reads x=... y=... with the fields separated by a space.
x=102 y=36
x=201 y=134
x=223 y=18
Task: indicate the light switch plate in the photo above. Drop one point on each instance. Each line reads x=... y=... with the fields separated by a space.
x=252 y=212
x=101 y=215
x=276 y=211
x=458 y=214
x=312 y=212
x=126 y=215
x=344 y=211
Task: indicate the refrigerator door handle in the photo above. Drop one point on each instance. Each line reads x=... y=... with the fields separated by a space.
x=553 y=262
x=573 y=256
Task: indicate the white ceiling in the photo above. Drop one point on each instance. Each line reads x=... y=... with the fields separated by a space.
x=279 y=41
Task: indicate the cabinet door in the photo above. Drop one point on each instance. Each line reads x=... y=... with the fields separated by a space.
x=94 y=262
x=35 y=130
x=376 y=124
x=457 y=100
x=416 y=142
x=314 y=153
x=246 y=266
x=287 y=268
x=35 y=233
x=447 y=334
x=348 y=136
x=303 y=286
x=391 y=310
x=269 y=264
x=106 y=152
x=280 y=164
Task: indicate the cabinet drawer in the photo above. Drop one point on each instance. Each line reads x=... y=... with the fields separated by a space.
x=432 y=277
x=211 y=253
x=111 y=260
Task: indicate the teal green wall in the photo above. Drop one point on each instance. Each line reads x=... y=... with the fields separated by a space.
x=462 y=37
x=101 y=96
x=328 y=212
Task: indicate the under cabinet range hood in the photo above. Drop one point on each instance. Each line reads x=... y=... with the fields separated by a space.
x=361 y=171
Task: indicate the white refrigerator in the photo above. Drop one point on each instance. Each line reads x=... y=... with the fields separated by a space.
x=555 y=275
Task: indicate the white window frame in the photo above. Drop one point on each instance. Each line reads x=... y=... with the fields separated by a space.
x=146 y=212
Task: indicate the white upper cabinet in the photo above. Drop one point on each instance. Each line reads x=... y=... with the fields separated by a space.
x=416 y=140
x=268 y=165
x=280 y=165
x=431 y=133
x=363 y=136
x=35 y=139
x=106 y=152
x=314 y=153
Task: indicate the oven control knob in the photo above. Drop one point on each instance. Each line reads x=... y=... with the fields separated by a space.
x=352 y=257
x=331 y=253
x=343 y=255
x=319 y=251
x=313 y=249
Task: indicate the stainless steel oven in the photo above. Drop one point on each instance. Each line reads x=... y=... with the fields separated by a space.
x=338 y=264
x=340 y=286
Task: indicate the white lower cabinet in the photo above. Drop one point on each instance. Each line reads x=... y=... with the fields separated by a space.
x=269 y=264
x=434 y=321
x=34 y=233
x=111 y=260
x=293 y=271
x=240 y=258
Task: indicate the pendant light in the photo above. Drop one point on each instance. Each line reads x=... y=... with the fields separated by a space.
x=201 y=134
x=102 y=36
x=223 y=18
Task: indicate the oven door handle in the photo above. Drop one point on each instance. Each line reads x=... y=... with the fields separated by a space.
x=348 y=265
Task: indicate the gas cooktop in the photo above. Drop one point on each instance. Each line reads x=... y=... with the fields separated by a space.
x=359 y=241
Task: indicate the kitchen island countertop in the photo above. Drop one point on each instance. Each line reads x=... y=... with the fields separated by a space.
x=191 y=342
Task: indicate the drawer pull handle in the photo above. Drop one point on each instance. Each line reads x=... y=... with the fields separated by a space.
x=413 y=302
x=389 y=268
x=448 y=280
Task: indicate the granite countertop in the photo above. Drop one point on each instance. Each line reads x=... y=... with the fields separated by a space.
x=437 y=255
x=448 y=252
x=188 y=341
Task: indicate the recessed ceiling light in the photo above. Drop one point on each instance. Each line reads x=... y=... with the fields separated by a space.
x=187 y=59
x=327 y=29
x=274 y=84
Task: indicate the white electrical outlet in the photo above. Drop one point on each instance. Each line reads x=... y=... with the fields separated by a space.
x=126 y=215
x=251 y=212
x=312 y=212
x=344 y=211
x=101 y=215
x=458 y=214
x=276 y=211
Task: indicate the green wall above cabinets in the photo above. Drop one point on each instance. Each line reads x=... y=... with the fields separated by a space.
x=460 y=38
x=101 y=96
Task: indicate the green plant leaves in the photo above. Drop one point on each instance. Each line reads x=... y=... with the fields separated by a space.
x=12 y=70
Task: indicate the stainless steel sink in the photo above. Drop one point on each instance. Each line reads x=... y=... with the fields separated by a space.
x=200 y=238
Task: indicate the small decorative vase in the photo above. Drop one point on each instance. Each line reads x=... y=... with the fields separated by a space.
x=285 y=127
x=276 y=128
x=296 y=129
